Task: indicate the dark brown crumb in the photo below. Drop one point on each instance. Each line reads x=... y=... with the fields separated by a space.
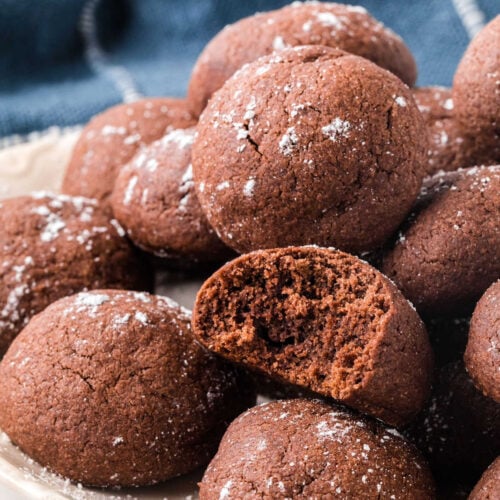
x=323 y=320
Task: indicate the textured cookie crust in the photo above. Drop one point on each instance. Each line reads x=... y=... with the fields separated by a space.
x=334 y=25
x=476 y=92
x=56 y=245
x=482 y=356
x=449 y=147
x=307 y=449
x=458 y=431
x=309 y=146
x=448 y=253
x=113 y=137
x=155 y=201
x=109 y=388
x=323 y=320
x=488 y=486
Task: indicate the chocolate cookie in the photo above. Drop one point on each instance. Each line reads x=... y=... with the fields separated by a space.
x=449 y=148
x=112 y=138
x=155 y=201
x=476 y=93
x=309 y=146
x=323 y=320
x=108 y=388
x=482 y=356
x=458 y=431
x=448 y=253
x=53 y=246
x=488 y=486
x=307 y=449
x=345 y=27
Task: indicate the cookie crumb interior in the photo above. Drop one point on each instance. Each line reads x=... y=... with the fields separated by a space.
x=319 y=312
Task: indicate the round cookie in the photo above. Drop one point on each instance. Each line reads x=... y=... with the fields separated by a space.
x=309 y=146
x=458 y=431
x=154 y=200
x=447 y=254
x=53 y=246
x=346 y=27
x=476 y=93
x=108 y=388
x=489 y=485
x=482 y=355
x=323 y=320
x=449 y=148
x=307 y=449
x=113 y=137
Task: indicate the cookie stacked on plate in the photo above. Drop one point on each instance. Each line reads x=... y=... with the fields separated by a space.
x=301 y=147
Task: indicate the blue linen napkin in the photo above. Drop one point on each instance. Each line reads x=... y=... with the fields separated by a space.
x=62 y=61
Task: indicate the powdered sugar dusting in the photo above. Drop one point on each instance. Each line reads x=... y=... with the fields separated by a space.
x=182 y=137
x=400 y=101
x=337 y=128
x=119 y=229
x=330 y=19
x=129 y=192
x=249 y=186
x=250 y=109
x=10 y=312
x=117 y=440
x=288 y=142
x=112 y=130
x=448 y=104
x=89 y=302
x=141 y=317
x=185 y=187
x=279 y=43
x=225 y=490
x=53 y=223
x=356 y=8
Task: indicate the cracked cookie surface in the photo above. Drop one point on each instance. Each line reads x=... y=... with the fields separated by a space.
x=307 y=449
x=310 y=145
x=449 y=147
x=447 y=254
x=52 y=246
x=155 y=201
x=109 y=388
x=113 y=137
x=476 y=93
x=346 y=27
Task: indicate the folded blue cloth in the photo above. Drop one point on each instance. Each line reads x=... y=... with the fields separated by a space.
x=62 y=61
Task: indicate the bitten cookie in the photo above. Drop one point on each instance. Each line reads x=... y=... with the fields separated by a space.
x=488 y=486
x=449 y=148
x=155 y=201
x=476 y=93
x=448 y=253
x=113 y=137
x=458 y=431
x=53 y=246
x=323 y=320
x=309 y=146
x=482 y=356
x=346 y=27
x=108 y=388
x=308 y=449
